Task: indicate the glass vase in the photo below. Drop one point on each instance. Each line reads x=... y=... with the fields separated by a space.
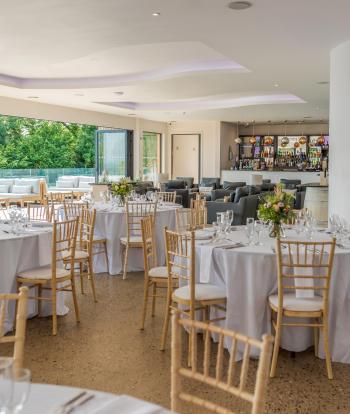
x=276 y=230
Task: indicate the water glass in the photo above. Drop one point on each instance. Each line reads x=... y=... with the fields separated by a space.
x=229 y=215
x=20 y=389
x=259 y=227
x=299 y=224
x=6 y=383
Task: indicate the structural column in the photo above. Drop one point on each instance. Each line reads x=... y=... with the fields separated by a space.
x=339 y=118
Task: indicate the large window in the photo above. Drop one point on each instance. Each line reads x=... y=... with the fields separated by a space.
x=150 y=152
x=114 y=154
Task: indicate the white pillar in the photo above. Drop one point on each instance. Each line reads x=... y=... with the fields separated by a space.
x=339 y=118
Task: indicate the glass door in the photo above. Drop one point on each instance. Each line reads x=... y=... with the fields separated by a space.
x=150 y=154
x=114 y=154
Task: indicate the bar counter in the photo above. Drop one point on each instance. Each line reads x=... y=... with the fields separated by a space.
x=274 y=176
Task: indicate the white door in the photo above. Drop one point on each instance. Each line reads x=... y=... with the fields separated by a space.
x=185 y=155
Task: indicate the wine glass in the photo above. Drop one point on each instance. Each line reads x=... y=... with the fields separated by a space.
x=215 y=225
x=250 y=230
x=229 y=215
x=259 y=227
x=20 y=389
x=6 y=383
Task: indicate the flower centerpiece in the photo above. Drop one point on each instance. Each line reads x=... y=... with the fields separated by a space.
x=121 y=189
x=277 y=208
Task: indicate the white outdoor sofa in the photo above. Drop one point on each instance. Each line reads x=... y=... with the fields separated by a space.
x=22 y=190
x=78 y=184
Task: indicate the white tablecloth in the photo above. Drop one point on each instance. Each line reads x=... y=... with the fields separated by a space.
x=111 y=225
x=46 y=399
x=20 y=253
x=249 y=275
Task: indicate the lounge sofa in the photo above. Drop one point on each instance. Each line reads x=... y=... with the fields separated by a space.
x=78 y=184
x=182 y=193
x=22 y=190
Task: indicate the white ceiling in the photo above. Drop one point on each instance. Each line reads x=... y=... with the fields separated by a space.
x=197 y=60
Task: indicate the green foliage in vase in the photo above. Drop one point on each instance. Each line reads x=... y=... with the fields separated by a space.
x=34 y=143
x=122 y=188
x=277 y=207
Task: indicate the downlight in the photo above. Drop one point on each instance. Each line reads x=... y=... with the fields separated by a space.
x=239 y=5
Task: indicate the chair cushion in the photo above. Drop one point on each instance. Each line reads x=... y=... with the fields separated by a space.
x=65 y=184
x=34 y=182
x=292 y=303
x=133 y=239
x=160 y=271
x=228 y=185
x=22 y=189
x=79 y=254
x=175 y=185
x=4 y=188
x=202 y=292
x=43 y=272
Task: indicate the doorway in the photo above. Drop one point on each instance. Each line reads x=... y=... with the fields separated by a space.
x=185 y=156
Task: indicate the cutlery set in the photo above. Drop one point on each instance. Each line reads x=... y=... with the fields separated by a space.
x=75 y=402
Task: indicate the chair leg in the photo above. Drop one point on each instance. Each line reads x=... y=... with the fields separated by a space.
x=316 y=339
x=154 y=292
x=106 y=255
x=276 y=346
x=75 y=302
x=54 y=310
x=166 y=321
x=126 y=253
x=145 y=302
x=39 y=300
x=81 y=276
x=326 y=348
x=91 y=277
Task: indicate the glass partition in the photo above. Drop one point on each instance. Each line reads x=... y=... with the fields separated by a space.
x=113 y=154
x=150 y=153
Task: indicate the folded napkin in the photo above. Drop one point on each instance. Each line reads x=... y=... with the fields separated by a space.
x=203 y=235
x=41 y=224
x=129 y=405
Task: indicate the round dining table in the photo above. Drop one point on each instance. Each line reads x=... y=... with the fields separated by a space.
x=248 y=273
x=52 y=399
x=28 y=249
x=111 y=224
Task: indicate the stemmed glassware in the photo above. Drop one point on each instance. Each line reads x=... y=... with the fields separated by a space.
x=250 y=230
x=229 y=217
x=20 y=389
x=6 y=383
x=259 y=227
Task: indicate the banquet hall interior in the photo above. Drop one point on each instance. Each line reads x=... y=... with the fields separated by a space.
x=174 y=220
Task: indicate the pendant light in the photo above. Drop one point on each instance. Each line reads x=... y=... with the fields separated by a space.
x=238 y=140
x=268 y=140
x=252 y=140
x=321 y=140
x=302 y=139
x=285 y=139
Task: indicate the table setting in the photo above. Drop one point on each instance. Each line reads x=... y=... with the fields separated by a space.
x=19 y=395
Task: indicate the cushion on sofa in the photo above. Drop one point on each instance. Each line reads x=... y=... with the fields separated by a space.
x=22 y=189
x=83 y=184
x=228 y=185
x=4 y=188
x=213 y=182
x=70 y=178
x=65 y=184
x=175 y=185
x=86 y=179
x=34 y=182
x=188 y=180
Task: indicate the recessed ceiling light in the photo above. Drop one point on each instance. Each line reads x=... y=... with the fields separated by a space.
x=239 y=5
x=131 y=114
x=323 y=83
x=276 y=85
x=33 y=97
x=156 y=14
x=78 y=94
x=119 y=93
x=307 y=117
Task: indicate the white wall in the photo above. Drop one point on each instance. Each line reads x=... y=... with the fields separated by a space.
x=292 y=129
x=18 y=107
x=210 y=144
x=228 y=133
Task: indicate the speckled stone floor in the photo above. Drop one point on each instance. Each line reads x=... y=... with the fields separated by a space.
x=108 y=352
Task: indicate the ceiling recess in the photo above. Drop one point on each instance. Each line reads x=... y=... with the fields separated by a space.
x=239 y=5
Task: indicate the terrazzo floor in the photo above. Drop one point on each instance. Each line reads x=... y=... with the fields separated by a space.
x=108 y=352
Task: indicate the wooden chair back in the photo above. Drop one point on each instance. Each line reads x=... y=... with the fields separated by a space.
x=64 y=239
x=18 y=338
x=166 y=197
x=148 y=241
x=307 y=260
x=225 y=377
x=73 y=209
x=135 y=212
x=199 y=217
x=180 y=260
x=60 y=197
x=38 y=212
x=198 y=202
x=191 y=218
x=86 y=229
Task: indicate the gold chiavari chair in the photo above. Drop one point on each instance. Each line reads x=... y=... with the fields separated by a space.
x=181 y=263
x=199 y=202
x=38 y=212
x=166 y=197
x=224 y=376
x=190 y=218
x=83 y=253
x=18 y=338
x=60 y=197
x=155 y=276
x=74 y=209
x=303 y=267
x=55 y=277
x=135 y=212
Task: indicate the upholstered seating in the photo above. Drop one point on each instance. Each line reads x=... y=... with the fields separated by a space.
x=292 y=303
x=159 y=271
x=202 y=292
x=44 y=273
